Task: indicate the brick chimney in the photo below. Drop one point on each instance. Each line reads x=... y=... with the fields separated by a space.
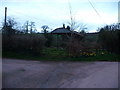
x=63 y=25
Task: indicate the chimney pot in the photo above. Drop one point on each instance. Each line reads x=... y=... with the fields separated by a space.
x=63 y=25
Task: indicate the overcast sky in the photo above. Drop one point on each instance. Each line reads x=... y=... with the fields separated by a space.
x=56 y=12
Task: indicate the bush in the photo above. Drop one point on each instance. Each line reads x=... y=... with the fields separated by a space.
x=32 y=44
x=109 y=36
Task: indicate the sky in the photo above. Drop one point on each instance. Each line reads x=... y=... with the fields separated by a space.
x=56 y=12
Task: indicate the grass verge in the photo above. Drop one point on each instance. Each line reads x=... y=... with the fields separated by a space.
x=26 y=56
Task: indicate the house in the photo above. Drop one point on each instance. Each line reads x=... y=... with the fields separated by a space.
x=67 y=32
x=65 y=37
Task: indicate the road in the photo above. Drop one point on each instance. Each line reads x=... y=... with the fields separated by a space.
x=59 y=74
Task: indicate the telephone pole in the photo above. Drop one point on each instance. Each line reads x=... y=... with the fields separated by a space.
x=5 y=16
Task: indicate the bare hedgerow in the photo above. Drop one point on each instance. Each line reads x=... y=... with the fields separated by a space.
x=75 y=47
x=24 y=43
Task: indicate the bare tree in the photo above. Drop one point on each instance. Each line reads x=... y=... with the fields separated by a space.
x=25 y=27
x=32 y=27
x=45 y=27
x=75 y=46
x=29 y=27
x=10 y=22
x=74 y=25
x=10 y=27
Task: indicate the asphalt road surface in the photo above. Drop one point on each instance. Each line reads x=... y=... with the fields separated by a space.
x=53 y=74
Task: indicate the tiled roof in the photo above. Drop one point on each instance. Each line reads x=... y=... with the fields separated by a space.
x=61 y=30
x=65 y=31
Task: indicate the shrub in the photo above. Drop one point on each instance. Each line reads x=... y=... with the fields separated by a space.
x=109 y=37
x=75 y=47
x=32 y=44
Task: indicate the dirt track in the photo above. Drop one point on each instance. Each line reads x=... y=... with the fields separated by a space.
x=46 y=74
